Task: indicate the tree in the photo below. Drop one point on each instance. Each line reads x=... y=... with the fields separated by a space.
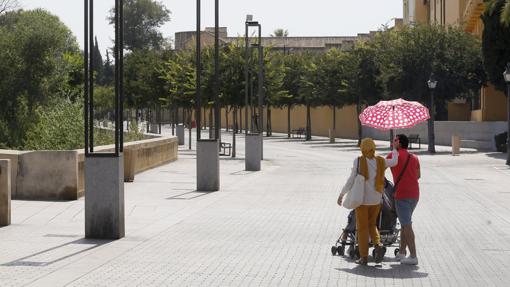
x=294 y=72
x=496 y=40
x=501 y=8
x=142 y=19
x=280 y=33
x=406 y=58
x=8 y=5
x=414 y=53
x=309 y=89
x=97 y=64
x=39 y=60
x=274 y=75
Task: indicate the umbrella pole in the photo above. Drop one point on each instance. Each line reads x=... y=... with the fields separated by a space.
x=392 y=135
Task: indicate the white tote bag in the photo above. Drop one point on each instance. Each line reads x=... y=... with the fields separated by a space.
x=355 y=195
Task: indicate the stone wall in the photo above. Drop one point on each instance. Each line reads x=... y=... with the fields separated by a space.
x=479 y=135
x=59 y=175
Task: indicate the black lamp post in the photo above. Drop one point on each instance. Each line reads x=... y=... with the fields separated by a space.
x=432 y=84
x=250 y=23
x=506 y=75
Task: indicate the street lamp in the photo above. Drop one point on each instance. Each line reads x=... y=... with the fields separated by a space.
x=432 y=84
x=506 y=75
x=250 y=23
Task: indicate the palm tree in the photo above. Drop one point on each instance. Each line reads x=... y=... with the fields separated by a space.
x=280 y=33
x=492 y=6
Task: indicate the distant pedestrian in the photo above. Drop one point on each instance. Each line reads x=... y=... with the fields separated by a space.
x=372 y=167
x=407 y=193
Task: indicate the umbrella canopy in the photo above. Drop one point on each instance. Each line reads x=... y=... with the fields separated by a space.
x=394 y=114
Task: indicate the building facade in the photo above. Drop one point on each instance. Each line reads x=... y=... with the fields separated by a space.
x=186 y=40
x=491 y=104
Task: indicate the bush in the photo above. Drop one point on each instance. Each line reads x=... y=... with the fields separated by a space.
x=60 y=126
x=501 y=141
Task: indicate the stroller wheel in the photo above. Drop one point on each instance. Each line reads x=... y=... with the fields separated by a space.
x=333 y=250
x=341 y=251
x=351 y=252
x=397 y=250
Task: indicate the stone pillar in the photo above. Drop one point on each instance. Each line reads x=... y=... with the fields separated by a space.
x=253 y=152
x=5 y=192
x=104 y=197
x=208 y=165
x=130 y=155
x=455 y=145
x=180 y=134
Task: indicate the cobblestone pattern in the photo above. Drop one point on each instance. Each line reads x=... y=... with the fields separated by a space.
x=268 y=228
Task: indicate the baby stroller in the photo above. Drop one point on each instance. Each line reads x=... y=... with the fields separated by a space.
x=389 y=229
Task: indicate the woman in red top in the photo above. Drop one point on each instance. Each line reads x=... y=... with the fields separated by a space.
x=407 y=193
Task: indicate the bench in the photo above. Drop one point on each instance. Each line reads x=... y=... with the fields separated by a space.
x=298 y=132
x=224 y=147
x=414 y=138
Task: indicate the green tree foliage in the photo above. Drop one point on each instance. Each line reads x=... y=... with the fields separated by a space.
x=143 y=83
x=142 y=19
x=501 y=8
x=407 y=57
x=98 y=64
x=179 y=74
x=39 y=60
x=232 y=75
x=496 y=43
x=59 y=126
x=280 y=33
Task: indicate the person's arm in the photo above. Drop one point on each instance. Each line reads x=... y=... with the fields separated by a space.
x=419 y=170
x=392 y=160
x=350 y=181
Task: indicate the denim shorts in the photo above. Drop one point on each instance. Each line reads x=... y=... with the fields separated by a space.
x=405 y=209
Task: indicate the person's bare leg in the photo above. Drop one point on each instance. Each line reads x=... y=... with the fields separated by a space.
x=403 y=240
x=410 y=240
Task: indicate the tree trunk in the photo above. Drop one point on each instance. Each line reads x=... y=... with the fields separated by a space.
x=211 y=124
x=234 y=131
x=288 y=120
x=269 y=128
x=147 y=120
x=360 y=128
x=226 y=118
x=241 y=119
x=189 y=128
x=308 y=123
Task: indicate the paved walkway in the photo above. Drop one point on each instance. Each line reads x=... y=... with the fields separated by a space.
x=268 y=228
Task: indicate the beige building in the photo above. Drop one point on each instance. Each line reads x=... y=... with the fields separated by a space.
x=185 y=40
x=491 y=105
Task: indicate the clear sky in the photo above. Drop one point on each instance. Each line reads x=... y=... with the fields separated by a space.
x=299 y=17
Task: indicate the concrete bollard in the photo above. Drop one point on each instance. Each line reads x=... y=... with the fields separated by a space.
x=5 y=192
x=180 y=134
x=208 y=165
x=253 y=152
x=104 y=197
x=331 y=136
x=455 y=145
x=130 y=155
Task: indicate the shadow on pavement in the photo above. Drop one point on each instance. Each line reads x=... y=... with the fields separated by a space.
x=188 y=195
x=58 y=253
x=396 y=271
x=497 y=155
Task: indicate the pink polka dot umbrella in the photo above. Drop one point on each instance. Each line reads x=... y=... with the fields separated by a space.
x=394 y=114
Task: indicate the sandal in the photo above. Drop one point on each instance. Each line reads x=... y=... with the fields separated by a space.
x=362 y=261
x=379 y=255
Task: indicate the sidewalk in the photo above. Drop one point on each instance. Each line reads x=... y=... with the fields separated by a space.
x=268 y=228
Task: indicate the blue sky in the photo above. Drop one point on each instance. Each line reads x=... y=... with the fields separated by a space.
x=299 y=17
